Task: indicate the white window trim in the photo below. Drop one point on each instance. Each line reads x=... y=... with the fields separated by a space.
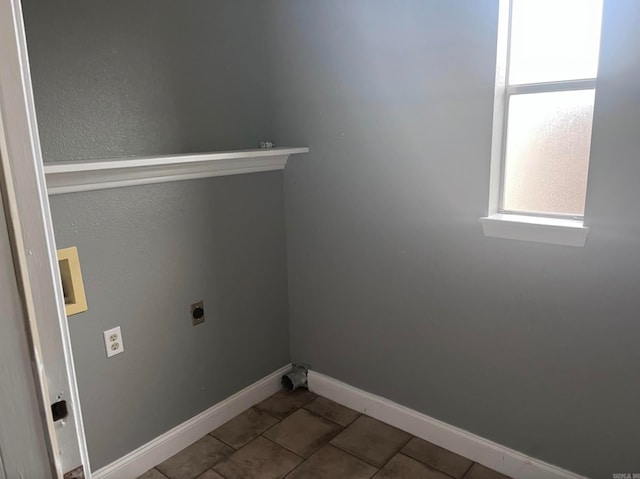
x=500 y=224
x=538 y=229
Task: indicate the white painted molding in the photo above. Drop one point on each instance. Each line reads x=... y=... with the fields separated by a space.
x=537 y=229
x=163 y=447
x=86 y=175
x=488 y=453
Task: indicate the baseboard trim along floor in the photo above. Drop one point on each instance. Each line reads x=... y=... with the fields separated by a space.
x=173 y=441
x=488 y=453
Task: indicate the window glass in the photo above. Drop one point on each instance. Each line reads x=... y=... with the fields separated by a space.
x=554 y=40
x=547 y=152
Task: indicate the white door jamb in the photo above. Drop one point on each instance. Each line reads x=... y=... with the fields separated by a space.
x=29 y=218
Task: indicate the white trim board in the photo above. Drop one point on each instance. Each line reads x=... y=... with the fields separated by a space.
x=173 y=441
x=34 y=249
x=87 y=175
x=567 y=232
x=488 y=453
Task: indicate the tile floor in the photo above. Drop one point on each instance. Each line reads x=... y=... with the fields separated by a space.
x=298 y=435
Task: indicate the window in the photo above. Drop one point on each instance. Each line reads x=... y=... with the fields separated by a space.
x=545 y=91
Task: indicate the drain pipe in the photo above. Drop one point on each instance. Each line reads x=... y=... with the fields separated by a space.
x=296 y=378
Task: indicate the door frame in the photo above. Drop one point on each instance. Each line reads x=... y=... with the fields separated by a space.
x=24 y=451
x=34 y=249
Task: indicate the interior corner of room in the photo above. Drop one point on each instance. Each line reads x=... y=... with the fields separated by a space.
x=360 y=255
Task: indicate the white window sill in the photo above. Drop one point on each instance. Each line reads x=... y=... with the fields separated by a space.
x=537 y=229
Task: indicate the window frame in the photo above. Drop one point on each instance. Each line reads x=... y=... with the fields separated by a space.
x=564 y=229
x=525 y=89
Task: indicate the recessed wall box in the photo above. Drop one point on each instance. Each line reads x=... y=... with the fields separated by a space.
x=75 y=300
x=197 y=313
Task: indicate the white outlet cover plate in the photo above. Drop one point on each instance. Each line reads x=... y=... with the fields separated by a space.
x=113 y=341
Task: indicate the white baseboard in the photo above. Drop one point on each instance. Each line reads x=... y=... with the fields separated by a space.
x=485 y=452
x=163 y=447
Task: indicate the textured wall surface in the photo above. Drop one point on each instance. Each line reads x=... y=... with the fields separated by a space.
x=393 y=287
x=124 y=78
x=147 y=253
x=158 y=77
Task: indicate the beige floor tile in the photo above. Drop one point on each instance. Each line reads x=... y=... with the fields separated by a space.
x=332 y=463
x=210 y=474
x=152 y=474
x=195 y=459
x=332 y=411
x=260 y=459
x=303 y=432
x=437 y=457
x=243 y=428
x=371 y=440
x=403 y=467
x=283 y=403
x=480 y=472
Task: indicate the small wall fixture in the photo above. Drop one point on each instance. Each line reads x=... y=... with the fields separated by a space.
x=75 y=300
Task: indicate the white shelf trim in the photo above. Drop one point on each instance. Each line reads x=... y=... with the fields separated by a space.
x=537 y=229
x=87 y=175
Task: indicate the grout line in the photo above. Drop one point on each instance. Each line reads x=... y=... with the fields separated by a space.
x=430 y=467
x=226 y=444
x=260 y=434
x=272 y=426
x=434 y=467
x=265 y=412
x=284 y=447
x=467 y=471
x=299 y=465
x=160 y=472
x=258 y=409
x=377 y=469
x=274 y=416
x=220 y=461
x=411 y=436
x=358 y=414
x=353 y=455
x=356 y=458
x=399 y=450
x=328 y=419
x=364 y=460
x=315 y=396
x=284 y=392
x=214 y=471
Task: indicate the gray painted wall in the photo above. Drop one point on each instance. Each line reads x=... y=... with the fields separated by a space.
x=394 y=289
x=164 y=77
x=124 y=78
x=147 y=253
x=23 y=450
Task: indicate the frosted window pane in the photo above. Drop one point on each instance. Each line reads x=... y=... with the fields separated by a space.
x=553 y=40
x=547 y=152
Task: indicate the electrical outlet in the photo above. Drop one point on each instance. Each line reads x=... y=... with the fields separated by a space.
x=113 y=341
x=197 y=313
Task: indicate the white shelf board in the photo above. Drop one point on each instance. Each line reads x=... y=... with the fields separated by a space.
x=87 y=175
